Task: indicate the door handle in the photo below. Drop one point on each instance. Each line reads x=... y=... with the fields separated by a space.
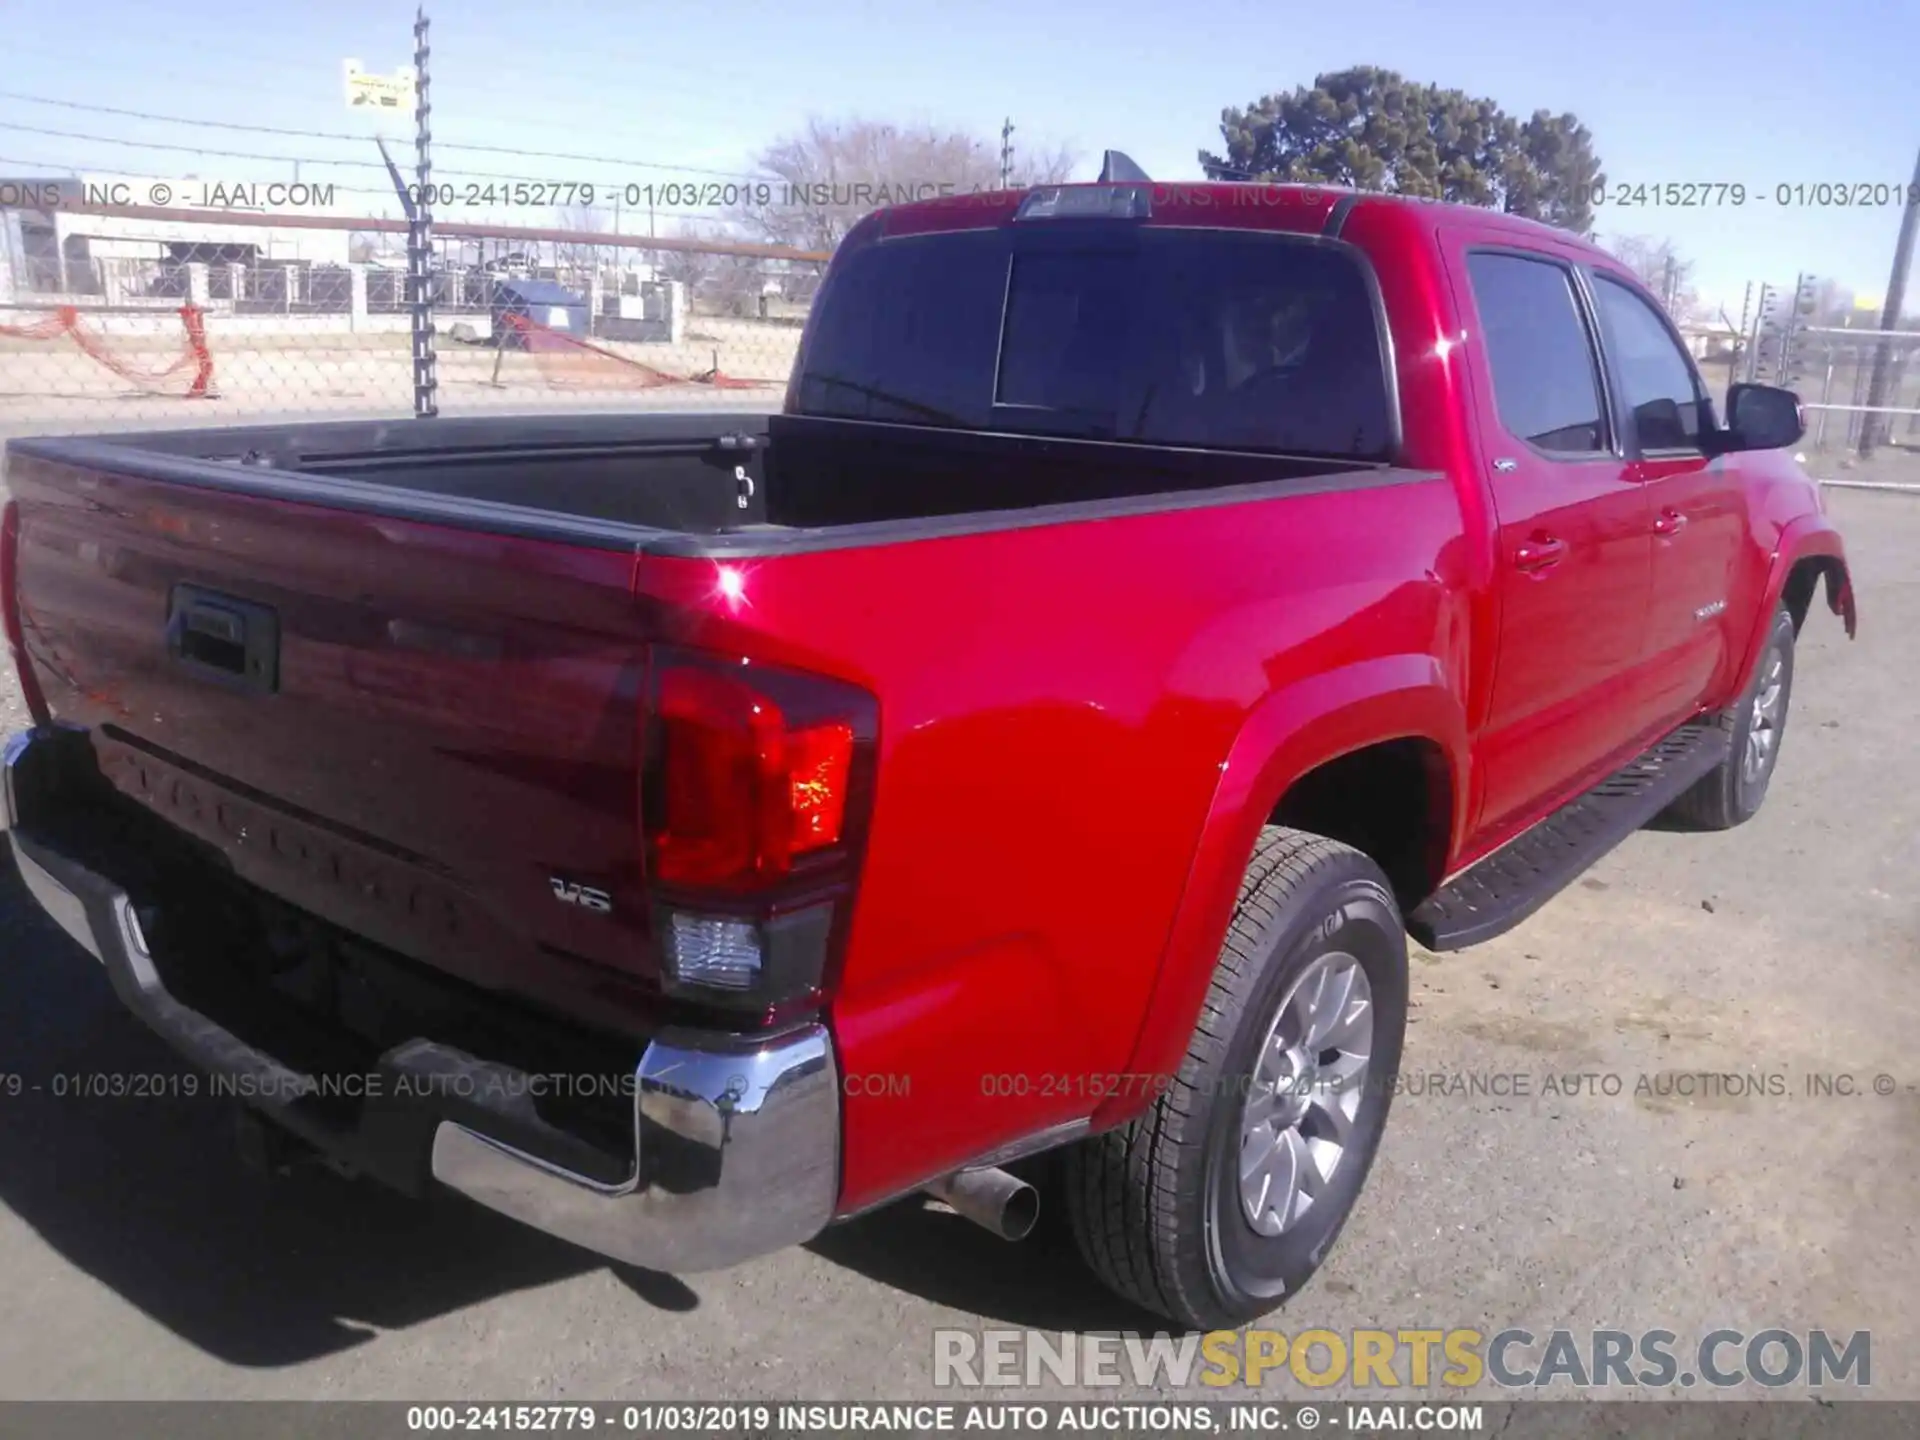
x=1539 y=551
x=1669 y=522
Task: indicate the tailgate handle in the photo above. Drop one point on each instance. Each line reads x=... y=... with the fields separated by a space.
x=214 y=620
x=223 y=638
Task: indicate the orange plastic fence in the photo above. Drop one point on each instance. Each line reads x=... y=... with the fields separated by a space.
x=568 y=360
x=66 y=321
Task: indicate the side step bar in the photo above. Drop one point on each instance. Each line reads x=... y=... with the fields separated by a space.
x=1509 y=885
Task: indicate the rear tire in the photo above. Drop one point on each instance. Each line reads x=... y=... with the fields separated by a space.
x=1223 y=1198
x=1732 y=792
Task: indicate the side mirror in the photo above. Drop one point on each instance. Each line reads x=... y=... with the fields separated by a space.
x=1761 y=417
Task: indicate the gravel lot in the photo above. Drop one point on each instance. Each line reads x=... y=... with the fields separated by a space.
x=141 y=1261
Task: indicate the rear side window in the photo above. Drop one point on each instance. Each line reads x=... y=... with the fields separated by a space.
x=1159 y=336
x=1658 y=381
x=1544 y=382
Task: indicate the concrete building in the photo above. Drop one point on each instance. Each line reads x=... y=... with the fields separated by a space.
x=275 y=278
x=48 y=248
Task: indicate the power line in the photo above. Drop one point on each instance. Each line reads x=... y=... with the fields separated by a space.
x=225 y=81
x=277 y=159
x=235 y=125
x=602 y=160
x=180 y=119
x=189 y=149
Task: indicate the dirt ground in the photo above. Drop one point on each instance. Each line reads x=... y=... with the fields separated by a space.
x=141 y=1261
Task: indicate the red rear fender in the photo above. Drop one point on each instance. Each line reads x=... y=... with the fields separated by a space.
x=1295 y=730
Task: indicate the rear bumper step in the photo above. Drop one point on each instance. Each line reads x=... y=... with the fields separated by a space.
x=1495 y=895
x=736 y=1138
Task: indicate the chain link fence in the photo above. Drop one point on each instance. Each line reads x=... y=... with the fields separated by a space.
x=1833 y=371
x=107 y=320
x=114 y=317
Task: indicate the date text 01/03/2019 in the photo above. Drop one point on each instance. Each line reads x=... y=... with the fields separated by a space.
x=1787 y=194
x=676 y=194
x=1668 y=194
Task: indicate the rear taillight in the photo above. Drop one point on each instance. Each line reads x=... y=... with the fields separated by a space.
x=754 y=800
x=10 y=608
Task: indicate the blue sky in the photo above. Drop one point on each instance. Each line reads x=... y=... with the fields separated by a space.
x=1761 y=94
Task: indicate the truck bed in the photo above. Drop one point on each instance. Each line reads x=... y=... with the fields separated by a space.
x=693 y=483
x=448 y=746
x=448 y=742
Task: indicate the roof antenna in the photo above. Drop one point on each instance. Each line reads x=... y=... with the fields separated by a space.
x=1117 y=166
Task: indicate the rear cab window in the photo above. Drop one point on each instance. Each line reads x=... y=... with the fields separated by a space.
x=1114 y=331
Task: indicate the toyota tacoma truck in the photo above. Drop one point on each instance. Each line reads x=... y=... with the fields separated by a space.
x=1149 y=606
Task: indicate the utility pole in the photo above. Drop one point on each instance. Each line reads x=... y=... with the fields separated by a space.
x=1890 y=315
x=426 y=383
x=1006 y=154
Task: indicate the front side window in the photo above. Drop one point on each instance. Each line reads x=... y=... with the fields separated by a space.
x=1668 y=408
x=1545 y=384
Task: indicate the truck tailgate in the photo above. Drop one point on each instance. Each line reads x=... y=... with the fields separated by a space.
x=426 y=735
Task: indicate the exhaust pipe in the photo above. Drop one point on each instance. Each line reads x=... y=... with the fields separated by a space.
x=991 y=1197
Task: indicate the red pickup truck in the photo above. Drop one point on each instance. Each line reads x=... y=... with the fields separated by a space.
x=1150 y=606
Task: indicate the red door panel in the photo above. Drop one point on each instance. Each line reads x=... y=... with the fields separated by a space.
x=1698 y=523
x=1571 y=630
x=1573 y=537
x=1698 y=506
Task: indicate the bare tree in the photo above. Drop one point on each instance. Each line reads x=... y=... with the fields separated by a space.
x=717 y=284
x=576 y=261
x=370 y=246
x=1833 y=304
x=1662 y=270
x=821 y=181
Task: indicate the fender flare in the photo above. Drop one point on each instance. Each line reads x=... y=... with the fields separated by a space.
x=1290 y=732
x=1807 y=537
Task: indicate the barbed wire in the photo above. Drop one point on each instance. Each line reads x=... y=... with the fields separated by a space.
x=180 y=119
x=234 y=125
x=599 y=119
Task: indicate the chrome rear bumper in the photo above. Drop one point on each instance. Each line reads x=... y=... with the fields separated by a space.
x=756 y=1139
x=736 y=1138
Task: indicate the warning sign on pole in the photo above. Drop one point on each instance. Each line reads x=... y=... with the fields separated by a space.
x=390 y=94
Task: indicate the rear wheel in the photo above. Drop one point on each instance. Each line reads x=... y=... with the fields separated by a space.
x=1733 y=791
x=1225 y=1196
